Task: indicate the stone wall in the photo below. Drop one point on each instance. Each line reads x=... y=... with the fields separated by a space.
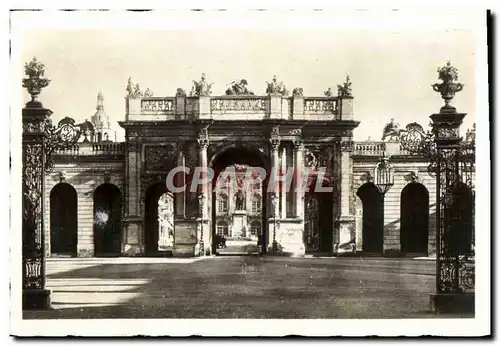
x=85 y=178
x=403 y=172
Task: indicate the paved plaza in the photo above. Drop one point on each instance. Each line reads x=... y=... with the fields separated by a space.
x=239 y=287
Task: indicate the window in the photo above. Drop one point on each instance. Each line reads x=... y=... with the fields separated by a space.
x=222 y=206
x=256 y=203
x=255 y=229
x=222 y=229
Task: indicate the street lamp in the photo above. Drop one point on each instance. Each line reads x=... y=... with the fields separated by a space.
x=201 y=201
x=274 y=202
x=39 y=139
x=384 y=175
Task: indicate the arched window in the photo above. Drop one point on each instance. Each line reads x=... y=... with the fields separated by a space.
x=222 y=229
x=256 y=203
x=255 y=229
x=222 y=203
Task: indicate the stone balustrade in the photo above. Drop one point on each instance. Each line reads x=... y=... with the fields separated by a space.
x=369 y=148
x=93 y=149
x=157 y=105
x=239 y=107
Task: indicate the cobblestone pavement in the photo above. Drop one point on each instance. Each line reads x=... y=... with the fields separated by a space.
x=239 y=287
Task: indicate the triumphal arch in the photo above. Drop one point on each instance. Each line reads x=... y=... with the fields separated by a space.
x=238 y=131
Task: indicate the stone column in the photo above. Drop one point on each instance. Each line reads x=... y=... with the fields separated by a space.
x=273 y=189
x=275 y=173
x=203 y=239
x=283 y=183
x=299 y=179
x=133 y=231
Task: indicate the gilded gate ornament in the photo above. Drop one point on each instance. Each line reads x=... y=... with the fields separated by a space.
x=449 y=86
x=36 y=81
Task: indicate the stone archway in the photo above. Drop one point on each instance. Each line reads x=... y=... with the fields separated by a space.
x=373 y=218
x=159 y=220
x=414 y=208
x=63 y=220
x=107 y=220
x=238 y=209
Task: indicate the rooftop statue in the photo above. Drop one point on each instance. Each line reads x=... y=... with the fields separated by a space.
x=133 y=91
x=239 y=88
x=471 y=134
x=148 y=93
x=345 y=88
x=180 y=92
x=391 y=131
x=201 y=88
x=298 y=92
x=329 y=92
x=274 y=87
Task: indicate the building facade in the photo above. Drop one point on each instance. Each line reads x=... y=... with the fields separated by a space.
x=107 y=198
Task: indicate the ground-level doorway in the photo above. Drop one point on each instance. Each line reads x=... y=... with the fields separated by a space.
x=373 y=219
x=107 y=221
x=63 y=220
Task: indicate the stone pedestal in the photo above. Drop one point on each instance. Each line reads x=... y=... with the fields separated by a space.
x=36 y=299
x=289 y=237
x=346 y=229
x=275 y=106
x=132 y=242
x=133 y=109
x=346 y=107
x=298 y=108
x=186 y=238
x=392 y=148
x=204 y=107
x=180 y=106
x=452 y=302
x=240 y=226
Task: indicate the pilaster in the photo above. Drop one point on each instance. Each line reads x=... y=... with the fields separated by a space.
x=133 y=237
x=344 y=227
x=299 y=179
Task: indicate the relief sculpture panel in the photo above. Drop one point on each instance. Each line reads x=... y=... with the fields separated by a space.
x=161 y=158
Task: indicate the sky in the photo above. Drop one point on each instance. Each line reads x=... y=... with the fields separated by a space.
x=391 y=69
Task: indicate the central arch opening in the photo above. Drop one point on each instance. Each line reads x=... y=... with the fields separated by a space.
x=239 y=205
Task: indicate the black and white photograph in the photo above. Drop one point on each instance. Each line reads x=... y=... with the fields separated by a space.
x=249 y=173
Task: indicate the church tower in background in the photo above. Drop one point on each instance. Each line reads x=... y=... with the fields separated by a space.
x=102 y=124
